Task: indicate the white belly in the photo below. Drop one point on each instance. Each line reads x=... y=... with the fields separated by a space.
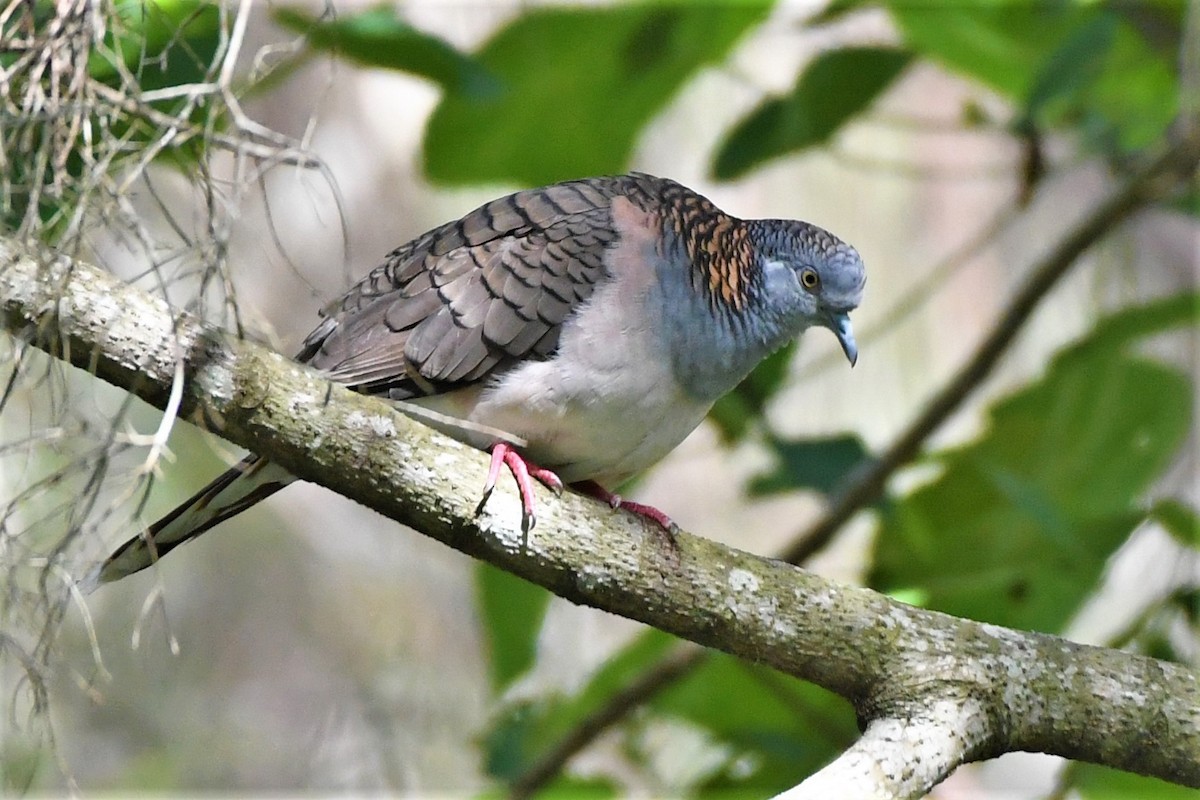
x=590 y=424
x=604 y=408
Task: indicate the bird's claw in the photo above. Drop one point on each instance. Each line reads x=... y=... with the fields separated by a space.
x=651 y=513
x=493 y=474
x=615 y=501
x=523 y=473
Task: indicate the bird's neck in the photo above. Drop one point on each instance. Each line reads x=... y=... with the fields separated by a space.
x=721 y=318
x=716 y=245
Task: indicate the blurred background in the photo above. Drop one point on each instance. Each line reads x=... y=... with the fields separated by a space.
x=312 y=645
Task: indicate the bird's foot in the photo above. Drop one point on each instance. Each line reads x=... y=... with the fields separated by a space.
x=524 y=473
x=593 y=489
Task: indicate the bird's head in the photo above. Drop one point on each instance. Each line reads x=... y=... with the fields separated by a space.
x=810 y=276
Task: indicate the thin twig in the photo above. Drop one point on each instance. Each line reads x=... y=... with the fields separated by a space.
x=679 y=662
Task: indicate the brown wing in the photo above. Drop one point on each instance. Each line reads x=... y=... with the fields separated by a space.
x=475 y=295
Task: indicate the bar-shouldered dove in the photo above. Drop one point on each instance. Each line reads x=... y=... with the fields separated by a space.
x=579 y=332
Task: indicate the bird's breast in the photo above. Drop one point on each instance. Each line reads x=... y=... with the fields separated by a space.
x=607 y=404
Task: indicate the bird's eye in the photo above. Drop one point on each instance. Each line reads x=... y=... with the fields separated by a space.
x=809 y=279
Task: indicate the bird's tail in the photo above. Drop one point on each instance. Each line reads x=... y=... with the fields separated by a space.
x=252 y=480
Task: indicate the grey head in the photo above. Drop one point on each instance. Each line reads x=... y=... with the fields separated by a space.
x=809 y=278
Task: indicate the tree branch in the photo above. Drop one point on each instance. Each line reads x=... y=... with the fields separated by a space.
x=901 y=757
x=893 y=662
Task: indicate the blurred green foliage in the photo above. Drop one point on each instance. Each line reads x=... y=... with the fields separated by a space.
x=1093 y=782
x=577 y=84
x=833 y=89
x=1178 y=520
x=161 y=44
x=526 y=728
x=379 y=38
x=820 y=464
x=1088 y=69
x=1017 y=527
x=512 y=610
x=772 y=727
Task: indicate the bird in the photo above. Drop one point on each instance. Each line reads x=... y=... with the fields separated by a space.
x=578 y=332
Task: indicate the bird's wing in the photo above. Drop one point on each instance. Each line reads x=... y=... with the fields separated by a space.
x=474 y=296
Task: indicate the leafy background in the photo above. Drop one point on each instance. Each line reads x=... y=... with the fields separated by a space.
x=322 y=649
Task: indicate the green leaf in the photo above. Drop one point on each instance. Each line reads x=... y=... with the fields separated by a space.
x=1001 y=44
x=820 y=464
x=1018 y=527
x=571 y=787
x=1179 y=520
x=512 y=610
x=378 y=37
x=1094 y=782
x=1155 y=633
x=1188 y=601
x=1122 y=328
x=1108 y=83
x=21 y=761
x=1074 y=64
x=524 y=731
x=779 y=729
x=1088 y=68
x=577 y=85
x=835 y=11
x=834 y=88
x=1188 y=202
x=1135 y=98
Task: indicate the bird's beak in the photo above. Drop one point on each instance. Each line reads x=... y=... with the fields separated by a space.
x=840 y=325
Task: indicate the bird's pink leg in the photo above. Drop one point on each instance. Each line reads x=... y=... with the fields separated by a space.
x=593 y=489
x=523 y=473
